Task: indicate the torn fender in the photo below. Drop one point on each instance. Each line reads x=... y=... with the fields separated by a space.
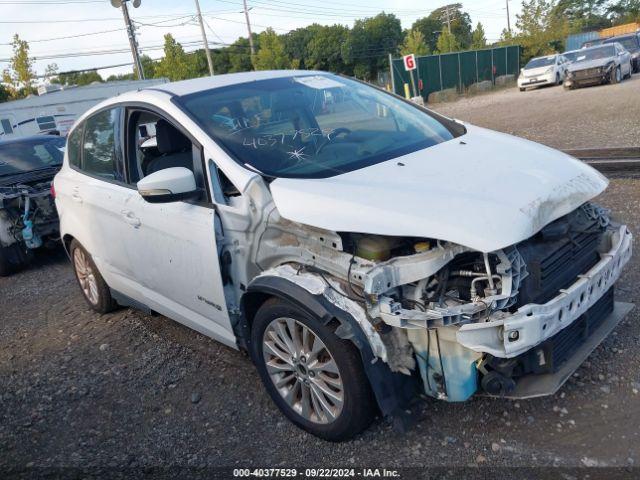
x=393 y=391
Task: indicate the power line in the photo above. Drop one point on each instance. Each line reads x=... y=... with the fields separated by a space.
x=69 y=36
x=40 y=2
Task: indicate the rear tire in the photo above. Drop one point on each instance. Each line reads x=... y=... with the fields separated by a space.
x=522 y=89
x=93 y=287
x=314 y=377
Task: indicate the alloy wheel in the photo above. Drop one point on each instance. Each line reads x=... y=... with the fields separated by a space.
x=86 y=276
x=303 y=370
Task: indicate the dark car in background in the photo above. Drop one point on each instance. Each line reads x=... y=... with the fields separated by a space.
x=28 y=217
x=631 y=42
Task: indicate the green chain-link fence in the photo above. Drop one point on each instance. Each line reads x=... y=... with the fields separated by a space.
x=457 y=70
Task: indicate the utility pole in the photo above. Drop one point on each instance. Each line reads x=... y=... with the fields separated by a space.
x=508 y=18
x=246 y=16
x=448 y=18
x=131 y=32
x=204 y=39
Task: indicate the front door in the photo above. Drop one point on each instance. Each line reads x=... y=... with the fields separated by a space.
x=174 y=254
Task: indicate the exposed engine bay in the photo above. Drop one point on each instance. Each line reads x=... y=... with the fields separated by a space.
x=462 y=320
x=28 y=217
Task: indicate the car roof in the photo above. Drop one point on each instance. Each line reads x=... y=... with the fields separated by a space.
x=620 y=37
x=30 y=139
x=186 y=87
x=594 y=47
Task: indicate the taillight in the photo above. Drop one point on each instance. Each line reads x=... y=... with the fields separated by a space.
x=53 y=191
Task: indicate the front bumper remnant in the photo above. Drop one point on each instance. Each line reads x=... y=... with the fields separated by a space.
x=539 y=385
x=532 y=324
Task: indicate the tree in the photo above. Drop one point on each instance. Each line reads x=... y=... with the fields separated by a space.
x=478 y=39
x=175 y=65
x=121 y=76
x=369 y=43
x=271 y=55
x=582 y=15
x=77 y=78
x=50 y=72
x=296 y=43
x=447 y=42
x=148 y=67
x=324 y=50
x=19 y=76
x=240 y=54
x=414 y=43
x=459 y=20
x=4 y=94
x=540 y=31
x=221 y=61
x=429 y=28
x=624 y=11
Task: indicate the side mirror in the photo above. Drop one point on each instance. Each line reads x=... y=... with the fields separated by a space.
x=169 y=185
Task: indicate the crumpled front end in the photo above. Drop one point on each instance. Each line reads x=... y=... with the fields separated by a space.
x=27 y=215
x=496 y=320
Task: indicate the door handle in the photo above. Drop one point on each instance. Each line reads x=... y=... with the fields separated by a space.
x=130 y=218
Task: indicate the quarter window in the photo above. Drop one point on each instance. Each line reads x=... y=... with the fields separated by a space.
x=99 y=144
x=46 y=123
x=73 y=147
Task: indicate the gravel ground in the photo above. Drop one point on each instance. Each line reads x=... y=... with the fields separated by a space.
x=131 y=390
x=602 y=116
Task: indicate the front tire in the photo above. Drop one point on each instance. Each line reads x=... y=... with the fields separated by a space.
x=314 y=377
x=616 y=76
x=93 y=287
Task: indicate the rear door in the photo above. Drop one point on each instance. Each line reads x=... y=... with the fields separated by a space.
x=103 y=196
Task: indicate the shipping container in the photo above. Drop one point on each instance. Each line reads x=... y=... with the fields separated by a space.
x=620 y=30
x=575 y=41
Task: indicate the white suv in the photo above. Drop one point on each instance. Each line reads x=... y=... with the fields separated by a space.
x=359 y=247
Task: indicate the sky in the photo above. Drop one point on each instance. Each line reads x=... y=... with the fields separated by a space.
x=98 y=28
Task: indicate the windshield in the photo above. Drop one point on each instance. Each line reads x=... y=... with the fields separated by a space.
x=313 y=126
x=540 y=62
x=31 y=154
x=572 y=55
x=597 y=53
x=630 y=42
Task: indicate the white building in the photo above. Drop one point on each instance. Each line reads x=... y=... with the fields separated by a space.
x=56 y=107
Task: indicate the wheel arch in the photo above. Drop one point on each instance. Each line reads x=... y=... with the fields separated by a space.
x=393 y=391
x=66 y=243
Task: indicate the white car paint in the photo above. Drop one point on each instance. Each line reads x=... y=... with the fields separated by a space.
x=485 y=190
x=479 y=192
x=549 y=75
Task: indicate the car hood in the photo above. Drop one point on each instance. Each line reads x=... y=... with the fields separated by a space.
x=600 y=62
x=534 y=72
x=484 y=190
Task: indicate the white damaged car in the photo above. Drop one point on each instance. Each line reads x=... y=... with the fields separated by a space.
x=362 y=249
